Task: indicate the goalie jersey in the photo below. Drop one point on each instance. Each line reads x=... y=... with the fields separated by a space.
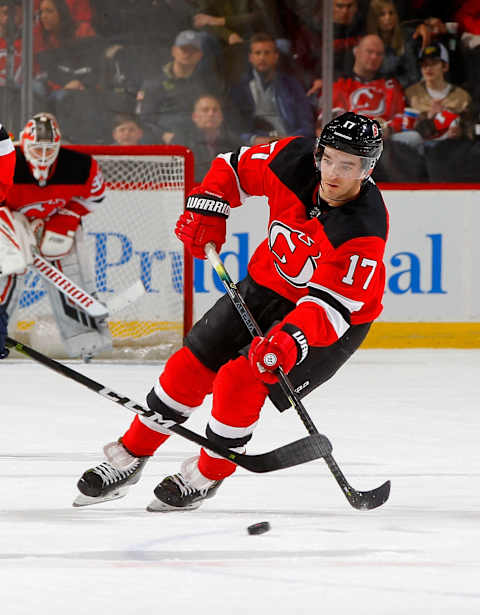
x=76 y=183
x=327 y=260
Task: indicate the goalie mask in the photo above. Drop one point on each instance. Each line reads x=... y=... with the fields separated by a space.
x=40 y=142
x=357 y=136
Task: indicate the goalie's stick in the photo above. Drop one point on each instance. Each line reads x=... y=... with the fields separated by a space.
x=295 y=453
x=362 y=500
x=88 y=304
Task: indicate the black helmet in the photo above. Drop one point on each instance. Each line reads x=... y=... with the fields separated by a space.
x=354 y=134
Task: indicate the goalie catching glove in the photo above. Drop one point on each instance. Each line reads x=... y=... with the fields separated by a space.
x=283 y=347
x=59 y=234
x=203 y=221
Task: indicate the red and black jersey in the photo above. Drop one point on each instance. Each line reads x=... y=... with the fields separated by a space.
x=375 y=98
x=327 y=260
x=75 y=184
x=7 y=163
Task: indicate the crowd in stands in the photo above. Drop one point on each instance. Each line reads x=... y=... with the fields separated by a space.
x=214 y=75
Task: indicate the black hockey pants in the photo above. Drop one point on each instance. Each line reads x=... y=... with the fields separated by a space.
x=221 y=335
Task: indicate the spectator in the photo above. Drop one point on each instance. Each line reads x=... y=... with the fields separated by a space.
x=467 y=20
x=421 y=10
x=56 y=27
x=206 y=134
x=450 y=39
x=139 y=33
x=68 y=73
x=166 y=102
x=400 y=60
x=270 y=102
x=365 y=92
x=348 y=27
x=127 y=130
x=10 y=41
x=440 y=105
x=230 y=25
x=80 y=9
x=10 y=62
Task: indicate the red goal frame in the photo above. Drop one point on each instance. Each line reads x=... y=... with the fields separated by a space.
x=189 y=181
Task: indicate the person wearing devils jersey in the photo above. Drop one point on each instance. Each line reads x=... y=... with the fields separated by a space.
x=315 y=285
x=53 y=189
x=7 y=166
x=366 y=92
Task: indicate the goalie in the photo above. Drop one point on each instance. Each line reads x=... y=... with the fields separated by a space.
x=53 y=189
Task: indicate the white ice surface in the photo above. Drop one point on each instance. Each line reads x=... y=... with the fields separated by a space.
x=411 y=416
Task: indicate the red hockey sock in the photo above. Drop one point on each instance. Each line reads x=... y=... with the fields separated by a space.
x=142 y=441
x=238 y=398
x=185 y=379
x=215 y=468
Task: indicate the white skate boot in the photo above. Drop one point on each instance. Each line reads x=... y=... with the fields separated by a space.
x=185 y=490
x=112 y=478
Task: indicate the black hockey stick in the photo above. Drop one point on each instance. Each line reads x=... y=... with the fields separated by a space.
x=295 y=453
x=362 y=500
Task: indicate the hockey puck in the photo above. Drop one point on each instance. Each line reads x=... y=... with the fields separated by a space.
x=258 y=528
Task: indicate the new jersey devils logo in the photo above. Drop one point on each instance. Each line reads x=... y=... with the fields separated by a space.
x=294 y=253
x=369 y=99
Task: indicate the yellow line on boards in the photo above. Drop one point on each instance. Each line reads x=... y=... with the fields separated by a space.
x=423 y=335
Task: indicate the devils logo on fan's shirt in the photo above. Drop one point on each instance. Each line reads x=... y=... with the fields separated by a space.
x=376 y=98
x=327 y=260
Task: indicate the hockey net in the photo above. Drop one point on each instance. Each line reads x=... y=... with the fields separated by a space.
x=131 y=239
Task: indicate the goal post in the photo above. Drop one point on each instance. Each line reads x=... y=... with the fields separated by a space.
x=130 y=238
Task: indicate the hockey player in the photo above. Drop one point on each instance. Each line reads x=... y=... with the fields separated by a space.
x=315 y=285
x=7 y=166
x=54 y=187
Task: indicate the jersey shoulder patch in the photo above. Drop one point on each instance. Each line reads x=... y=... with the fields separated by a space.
x=294 y=166
x=366 y=216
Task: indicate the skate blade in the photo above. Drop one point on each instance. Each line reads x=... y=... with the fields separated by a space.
x=157 y=505
x=86 y=500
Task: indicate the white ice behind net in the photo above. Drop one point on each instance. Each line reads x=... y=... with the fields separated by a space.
x=131 y=238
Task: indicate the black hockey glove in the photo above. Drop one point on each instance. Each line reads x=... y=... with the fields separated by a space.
x=3 y=332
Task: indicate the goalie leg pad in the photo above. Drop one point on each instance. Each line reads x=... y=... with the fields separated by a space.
x=82 y=335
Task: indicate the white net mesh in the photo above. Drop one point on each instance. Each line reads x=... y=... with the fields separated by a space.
x=131 y=239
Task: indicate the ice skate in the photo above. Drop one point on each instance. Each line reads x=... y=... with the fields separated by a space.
x=112 y=478
x=185 y=490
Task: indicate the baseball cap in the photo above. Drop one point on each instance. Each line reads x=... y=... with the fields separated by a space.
x=189 y=37
x=435 y=50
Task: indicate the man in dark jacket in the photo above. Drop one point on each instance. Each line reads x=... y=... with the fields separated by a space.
x=269 y=102
x=206 y=134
